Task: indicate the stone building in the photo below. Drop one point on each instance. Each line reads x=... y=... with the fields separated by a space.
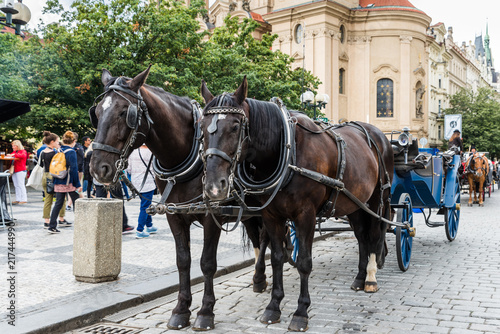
x=380 y=61
x=369 y=55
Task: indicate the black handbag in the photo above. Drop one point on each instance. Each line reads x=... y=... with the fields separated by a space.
x=50 y=186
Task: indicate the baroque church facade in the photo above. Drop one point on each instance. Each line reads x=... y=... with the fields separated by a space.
x=370 y=55
x=379 y=61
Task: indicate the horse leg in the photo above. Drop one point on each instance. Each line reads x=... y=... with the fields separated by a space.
x=305 y=226
x=371 y=237
x=181 y=313
x=259 y=240
x=205 y=316
x=471 y=189
x=276 y=232
x=259 y=277
x=481 y=191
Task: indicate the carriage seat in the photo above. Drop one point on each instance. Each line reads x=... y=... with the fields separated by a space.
x=416 y=159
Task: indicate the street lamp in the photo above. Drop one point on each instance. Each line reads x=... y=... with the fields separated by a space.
x=308 y=100
x=17 y=14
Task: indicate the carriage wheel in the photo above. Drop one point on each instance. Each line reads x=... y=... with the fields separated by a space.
x=292 y=256
x=452 y=217
x=403 y=239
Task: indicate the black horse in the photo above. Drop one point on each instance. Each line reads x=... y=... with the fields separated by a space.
x=243 y=134
x=131 y=113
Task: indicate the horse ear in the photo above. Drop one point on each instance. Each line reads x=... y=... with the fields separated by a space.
x=106 y=76
x=205 y=93
x=139 y=80
x=241 y=92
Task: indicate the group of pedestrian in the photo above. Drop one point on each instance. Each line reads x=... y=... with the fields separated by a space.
x=78 y=180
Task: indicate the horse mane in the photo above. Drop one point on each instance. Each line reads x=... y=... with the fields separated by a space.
x=123 y=81
x=263 y=116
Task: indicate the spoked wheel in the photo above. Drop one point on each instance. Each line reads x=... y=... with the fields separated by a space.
x=403 y=239
x=452 y=216
x=292 y=244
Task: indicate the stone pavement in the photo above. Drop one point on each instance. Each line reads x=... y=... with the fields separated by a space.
x=449 y=287
x=49 y=299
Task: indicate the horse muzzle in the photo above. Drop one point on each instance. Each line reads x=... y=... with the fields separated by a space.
x=217 y=191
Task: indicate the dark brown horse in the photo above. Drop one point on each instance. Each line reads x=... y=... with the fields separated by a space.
x=131 y=113
x=243 y=131
x=476 y=169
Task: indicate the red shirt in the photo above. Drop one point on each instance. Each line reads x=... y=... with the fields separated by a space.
x=20 y=164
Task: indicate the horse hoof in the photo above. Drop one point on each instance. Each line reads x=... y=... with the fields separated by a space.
x=371 y=287
x=298 y=324
x=179 y=321
x=358 y=285
x=259 y=287
x=469 y=204
x=270 y=317
x=481 y=204
x=204 y=323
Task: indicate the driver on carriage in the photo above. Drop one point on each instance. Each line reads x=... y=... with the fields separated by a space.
x=455 y=143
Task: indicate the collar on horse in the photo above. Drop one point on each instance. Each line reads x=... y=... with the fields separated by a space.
x=134 y=117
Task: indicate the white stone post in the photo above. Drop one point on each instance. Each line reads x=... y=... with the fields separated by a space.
x=97 y=242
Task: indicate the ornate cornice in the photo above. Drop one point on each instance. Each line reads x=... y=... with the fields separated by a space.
x=389 y=66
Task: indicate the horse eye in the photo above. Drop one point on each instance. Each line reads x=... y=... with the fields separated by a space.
x=236 y=127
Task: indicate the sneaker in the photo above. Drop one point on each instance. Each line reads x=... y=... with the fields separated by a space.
x=152 y=229
x=53 y=230
x=64 y=223
x=127 y=229
x=142 y=234
x=45 y=225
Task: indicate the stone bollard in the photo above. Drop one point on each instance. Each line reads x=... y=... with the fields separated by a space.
x=97 y=241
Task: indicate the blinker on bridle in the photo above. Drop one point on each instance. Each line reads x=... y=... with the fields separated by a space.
x=133 y=120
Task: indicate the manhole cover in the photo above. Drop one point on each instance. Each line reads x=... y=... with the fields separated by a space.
x=108 y=329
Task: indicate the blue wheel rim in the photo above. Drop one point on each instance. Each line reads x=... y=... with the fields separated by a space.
x=295 y=241
x=406 y=240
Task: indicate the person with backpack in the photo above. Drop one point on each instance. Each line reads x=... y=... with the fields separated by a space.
x=64 y=170
x=143 y=180
x=51 y=142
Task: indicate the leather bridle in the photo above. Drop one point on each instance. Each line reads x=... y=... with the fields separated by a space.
x=133 y=122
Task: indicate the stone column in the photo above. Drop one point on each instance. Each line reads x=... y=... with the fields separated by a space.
x=405 y=90
x=97 y=242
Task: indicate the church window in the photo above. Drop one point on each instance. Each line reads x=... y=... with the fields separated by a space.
x=385 y=104
x=298 y=34
x=342 y=34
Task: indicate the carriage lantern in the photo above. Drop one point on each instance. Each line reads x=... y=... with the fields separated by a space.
x=16 y=15
x=308 y=100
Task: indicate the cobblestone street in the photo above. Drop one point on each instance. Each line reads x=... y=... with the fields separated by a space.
x=449 y=287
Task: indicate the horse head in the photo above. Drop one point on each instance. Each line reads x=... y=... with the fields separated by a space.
x=478 y=166
x=225 y=133
x=122 y=122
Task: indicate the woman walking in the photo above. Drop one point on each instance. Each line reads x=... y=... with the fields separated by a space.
x=51 y=140
x=70 y=184
x=19 y=176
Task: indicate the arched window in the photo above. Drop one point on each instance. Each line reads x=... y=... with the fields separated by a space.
x=342 y=34
x=385 y=100
x=341 y=81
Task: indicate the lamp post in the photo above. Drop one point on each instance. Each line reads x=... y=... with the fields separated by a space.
x=319 y=101
x=17 y=14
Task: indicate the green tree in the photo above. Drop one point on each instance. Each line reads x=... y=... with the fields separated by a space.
x=480 y=118
x=63 y=70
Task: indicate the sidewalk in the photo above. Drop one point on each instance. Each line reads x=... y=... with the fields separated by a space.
x=49 y=299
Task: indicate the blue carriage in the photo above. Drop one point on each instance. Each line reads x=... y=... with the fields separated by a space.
x=424 y=179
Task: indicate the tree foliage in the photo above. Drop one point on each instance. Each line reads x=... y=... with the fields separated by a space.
x=60 y=73
x=480 y=118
